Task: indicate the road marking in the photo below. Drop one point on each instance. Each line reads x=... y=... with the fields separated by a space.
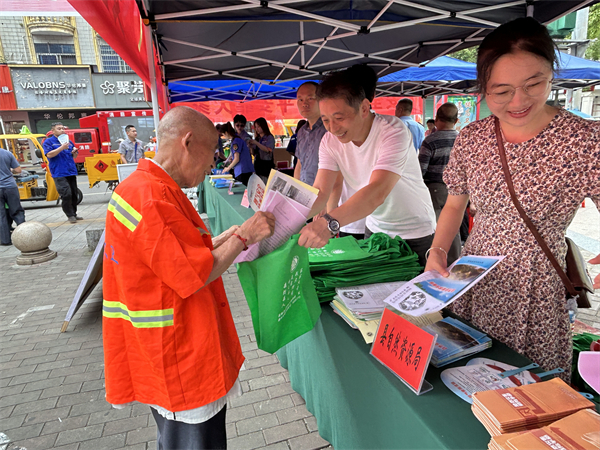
x=30 y=310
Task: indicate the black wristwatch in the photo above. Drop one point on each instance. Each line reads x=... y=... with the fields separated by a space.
x=332 y=224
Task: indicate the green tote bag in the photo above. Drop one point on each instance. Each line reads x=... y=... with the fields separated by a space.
x=281 y=295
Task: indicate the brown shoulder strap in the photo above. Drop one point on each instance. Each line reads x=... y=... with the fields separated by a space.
x=538 y=237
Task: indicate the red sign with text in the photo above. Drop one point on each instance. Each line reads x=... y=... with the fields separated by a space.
x=403 y=348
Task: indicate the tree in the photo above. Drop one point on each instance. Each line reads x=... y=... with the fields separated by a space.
x=467 y=54
x=593 y=50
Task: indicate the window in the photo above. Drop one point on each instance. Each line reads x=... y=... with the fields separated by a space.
x=111 y=61
x=55 y=53
x=82 y=138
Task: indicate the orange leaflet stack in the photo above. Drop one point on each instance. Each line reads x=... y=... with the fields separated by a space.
x=579 y=431
x=527 y=407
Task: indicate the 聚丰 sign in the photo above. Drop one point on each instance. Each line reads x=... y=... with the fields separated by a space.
x=118 y=91
x=405 y=349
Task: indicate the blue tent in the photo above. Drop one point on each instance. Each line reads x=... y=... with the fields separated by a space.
x=574 y=72
x=443 y=75
x=443 y=68
x=233 y=90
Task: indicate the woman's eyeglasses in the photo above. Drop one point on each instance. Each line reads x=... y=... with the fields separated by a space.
x=533 y=88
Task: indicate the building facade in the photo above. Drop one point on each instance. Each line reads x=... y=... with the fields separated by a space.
x=55 y=67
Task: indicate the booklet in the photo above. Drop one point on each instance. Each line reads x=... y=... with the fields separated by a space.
x=292 y=188
x=430 y=291
x=455 y=341
x=290 y=201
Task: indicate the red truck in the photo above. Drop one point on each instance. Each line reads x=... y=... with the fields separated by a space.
x=102 y=132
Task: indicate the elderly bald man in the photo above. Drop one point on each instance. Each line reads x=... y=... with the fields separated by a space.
x=169 y=337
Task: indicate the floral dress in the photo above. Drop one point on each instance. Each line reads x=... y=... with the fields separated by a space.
x=522 y=301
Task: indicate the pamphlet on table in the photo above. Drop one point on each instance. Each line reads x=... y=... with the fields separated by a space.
x=290 y=201
x=483 y=374
x=430 y=291
x=456 y=340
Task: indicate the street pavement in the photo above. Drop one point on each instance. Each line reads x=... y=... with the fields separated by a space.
x=52 y=383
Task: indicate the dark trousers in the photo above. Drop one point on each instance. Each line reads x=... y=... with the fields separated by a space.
x=67 y=188
x=10 y=196
x=439 y=195
x=174 y=435
x=244 y=177
x=418 y=245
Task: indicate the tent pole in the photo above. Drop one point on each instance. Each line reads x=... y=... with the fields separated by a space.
x=153 y=91
x=529 y=9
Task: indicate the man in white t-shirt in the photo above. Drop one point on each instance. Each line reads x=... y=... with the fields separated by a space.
x=380 y=168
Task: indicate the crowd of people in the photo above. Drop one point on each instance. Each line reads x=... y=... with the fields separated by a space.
x=169 y=336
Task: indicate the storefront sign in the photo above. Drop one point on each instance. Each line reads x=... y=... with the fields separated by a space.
x=118 y=90
x=405 y=349
x=52 y=87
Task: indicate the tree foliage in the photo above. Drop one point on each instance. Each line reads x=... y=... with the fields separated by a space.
x=467 y=54
x=593 y=50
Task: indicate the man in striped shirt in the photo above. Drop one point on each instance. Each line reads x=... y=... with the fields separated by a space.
x=434 y=155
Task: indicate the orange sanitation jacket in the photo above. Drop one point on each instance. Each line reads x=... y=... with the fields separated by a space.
x=169 y=338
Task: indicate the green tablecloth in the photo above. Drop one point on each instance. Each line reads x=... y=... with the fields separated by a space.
x=359 y=404
x=223 y=210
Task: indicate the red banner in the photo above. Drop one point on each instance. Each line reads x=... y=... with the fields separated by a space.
x=224 y=111
x=7 y=95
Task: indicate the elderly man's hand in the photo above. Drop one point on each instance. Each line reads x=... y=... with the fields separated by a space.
x=217 y=241
x=315 y=235
x=258 y=227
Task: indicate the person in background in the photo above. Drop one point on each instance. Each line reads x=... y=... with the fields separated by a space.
x=63 y=170
x=263 y=145
x=168 y=334
x=554 y=158
x=374 y=153
x=430 y=127
x=9 y=195
x=309 y=136
x=241 y=163
x=131 y=149
x=239 y=123
x=404 y=109
x=433 y=157
x=292 y=144
x=220 y=157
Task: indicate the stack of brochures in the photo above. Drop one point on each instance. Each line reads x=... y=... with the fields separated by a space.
x=455 y=341
x=361 y=307
x=527 y=407
x=579 y=431
x=347 y=262
x=290 y=201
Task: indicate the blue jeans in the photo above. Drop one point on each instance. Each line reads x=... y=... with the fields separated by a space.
x=10 y=197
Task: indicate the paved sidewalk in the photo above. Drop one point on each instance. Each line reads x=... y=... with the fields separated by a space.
x=52 y=383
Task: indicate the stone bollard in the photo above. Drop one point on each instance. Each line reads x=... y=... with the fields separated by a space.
x=93 y=237
x=32 y=239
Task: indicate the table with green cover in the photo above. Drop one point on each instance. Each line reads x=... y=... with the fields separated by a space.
x=223 y=210
x=360 y=404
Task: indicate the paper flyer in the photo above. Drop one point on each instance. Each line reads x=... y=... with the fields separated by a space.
x=482 y=374
x=430 y=292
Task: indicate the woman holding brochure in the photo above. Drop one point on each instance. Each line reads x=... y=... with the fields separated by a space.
x=554 y=160
x=242 y=161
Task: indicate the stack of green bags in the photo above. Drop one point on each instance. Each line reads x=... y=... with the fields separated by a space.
x=347 y=262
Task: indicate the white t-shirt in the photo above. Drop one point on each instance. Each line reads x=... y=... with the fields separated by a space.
x=357 y=227
x=407 y=211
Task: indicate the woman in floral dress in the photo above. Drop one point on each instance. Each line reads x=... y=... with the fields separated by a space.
x=554 y=160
